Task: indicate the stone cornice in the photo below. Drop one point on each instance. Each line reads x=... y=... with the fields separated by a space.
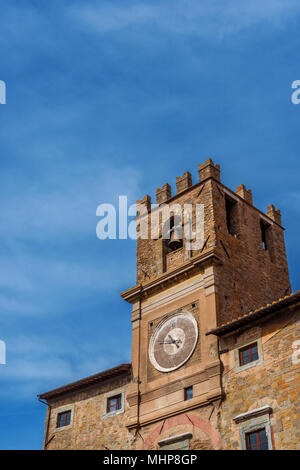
x=207 y=400
x=205 y=374
x=253 y=414
x=167 y=279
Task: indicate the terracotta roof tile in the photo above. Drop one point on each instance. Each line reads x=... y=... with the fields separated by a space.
x=91 y=380
x=254 y=314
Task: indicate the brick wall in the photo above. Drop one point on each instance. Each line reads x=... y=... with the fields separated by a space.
x=249 y=276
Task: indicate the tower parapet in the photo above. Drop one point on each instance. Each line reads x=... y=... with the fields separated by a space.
x=163 y=194
x=183 y=182
x=250 y=244
x=245 y=193
x=208 y=170
x=274 y=214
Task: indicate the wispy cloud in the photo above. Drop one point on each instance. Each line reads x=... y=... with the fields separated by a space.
x=109 y=98
x=63 y=201
x=36 y=364
x=39 y=228
x=209 y=18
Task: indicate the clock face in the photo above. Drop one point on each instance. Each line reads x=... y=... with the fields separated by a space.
x=173 y=342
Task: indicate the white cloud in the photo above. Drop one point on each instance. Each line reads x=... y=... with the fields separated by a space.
x=208 y=18
x=39 y=222
x=9 y=304
x=38 y=286
x=47 y=368
x=62 y=205
x=37 y=364
x=108 y=18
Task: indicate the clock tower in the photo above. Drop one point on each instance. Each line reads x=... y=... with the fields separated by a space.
x=183 y=291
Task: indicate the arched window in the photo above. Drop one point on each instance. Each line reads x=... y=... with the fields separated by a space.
x=173 y=238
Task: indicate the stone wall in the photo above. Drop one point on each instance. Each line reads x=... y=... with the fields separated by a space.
x=274 y=382
x=199 y=426
x=89 y=428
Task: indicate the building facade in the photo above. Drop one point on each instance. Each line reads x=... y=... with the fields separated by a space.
x=215 y=334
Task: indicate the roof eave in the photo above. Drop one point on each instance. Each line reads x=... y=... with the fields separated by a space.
x=122 y=369
x=258 y=314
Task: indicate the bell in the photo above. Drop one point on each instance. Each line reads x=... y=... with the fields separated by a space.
x=174 y=243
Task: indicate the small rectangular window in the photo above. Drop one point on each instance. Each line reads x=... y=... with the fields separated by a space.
x=257 y=440
x=188 y=393
x=264 y=230
x=114 y=403
x=230 y=206
x=63 y=419
x=248 y=354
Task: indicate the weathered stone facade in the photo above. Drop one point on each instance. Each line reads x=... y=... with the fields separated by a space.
x=261 y=275
x=275 y=382
x=236 y=287
x=91 y=426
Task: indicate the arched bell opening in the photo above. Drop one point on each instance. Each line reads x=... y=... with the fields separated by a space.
x=173 y=240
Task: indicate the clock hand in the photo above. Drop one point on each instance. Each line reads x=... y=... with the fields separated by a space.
x=173 y=341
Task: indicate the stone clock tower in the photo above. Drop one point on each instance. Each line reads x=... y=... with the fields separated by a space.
x=215 y=334
x=183 y=294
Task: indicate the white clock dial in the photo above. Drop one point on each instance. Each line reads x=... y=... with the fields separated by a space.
x=173 y=342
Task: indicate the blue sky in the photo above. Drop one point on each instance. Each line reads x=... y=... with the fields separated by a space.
x=117 y=98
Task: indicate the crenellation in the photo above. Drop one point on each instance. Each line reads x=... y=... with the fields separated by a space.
x=274 y=214
x=251 y=248
x=244 y=193
x=163 y=194
x=183 y=182
x=208 y=170
x=146 y=202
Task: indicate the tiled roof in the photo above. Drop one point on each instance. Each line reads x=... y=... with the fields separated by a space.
x=255 y=314
x=91 y=380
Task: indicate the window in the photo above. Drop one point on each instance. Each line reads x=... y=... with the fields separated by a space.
x=230 y=206
x=257 y=440
x=255 y=429
x=264 y=231
x=248 y=354
x=114 y=403
x=174 y=234
x=63 y=419
x=179 y=442
x=188 y=393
